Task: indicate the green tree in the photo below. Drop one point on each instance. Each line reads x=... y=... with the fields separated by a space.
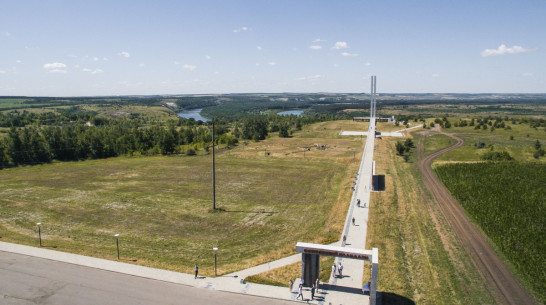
x=284 y=131
x=400 y=148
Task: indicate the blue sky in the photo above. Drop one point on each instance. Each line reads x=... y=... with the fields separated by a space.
x=88 y=48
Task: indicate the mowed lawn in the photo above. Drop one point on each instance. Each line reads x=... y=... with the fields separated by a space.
x=162 y=206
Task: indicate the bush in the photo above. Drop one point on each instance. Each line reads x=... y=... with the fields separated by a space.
x=496 y=156
x=190 y=152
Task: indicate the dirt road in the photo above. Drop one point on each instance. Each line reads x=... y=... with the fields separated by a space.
x=505 y=287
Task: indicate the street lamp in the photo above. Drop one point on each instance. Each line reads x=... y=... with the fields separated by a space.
x=215 y=250
x=39 y=233
x=117 y=243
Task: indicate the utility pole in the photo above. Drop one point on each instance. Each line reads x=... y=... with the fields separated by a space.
x=213 y=173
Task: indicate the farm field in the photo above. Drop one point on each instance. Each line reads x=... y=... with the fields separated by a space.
x=269 y=195
x=506 y=199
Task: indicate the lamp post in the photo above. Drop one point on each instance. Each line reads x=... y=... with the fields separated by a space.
x=213 y=173
x=117 y=243
x=39 y=233
x=215 y=250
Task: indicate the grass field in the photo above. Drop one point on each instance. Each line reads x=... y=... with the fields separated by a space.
x=521 y=148
x=420 y=260
x=161 y=206
x=507 y=200
x=282 y=276
x=437 y=141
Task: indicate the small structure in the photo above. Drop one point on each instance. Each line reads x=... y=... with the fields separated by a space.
x=310 y=262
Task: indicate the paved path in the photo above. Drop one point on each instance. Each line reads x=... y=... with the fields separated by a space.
x=223 y=283
x=348 y=289
x=32 y=280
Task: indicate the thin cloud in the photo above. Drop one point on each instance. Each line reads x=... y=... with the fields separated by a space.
x=312 y=77
x=367 y=64
x=259 y=48
x=315 y=47
x=125 y=54
x=340 y=45
x=435 y=75
x=272 y=63
x=242 y=29
x=55 y=67
x=96 y=71
x=503 y=50
x=347 y=54
x=318 y=40
x=189 y=67
x=207 y=57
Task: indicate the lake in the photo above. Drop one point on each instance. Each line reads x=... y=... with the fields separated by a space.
x=193 y=114
x=291 y=112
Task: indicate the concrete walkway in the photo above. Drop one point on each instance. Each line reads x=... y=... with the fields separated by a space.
x=348 y=288
x=223 y=283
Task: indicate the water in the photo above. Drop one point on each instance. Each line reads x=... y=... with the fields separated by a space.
x=193 y=114
x=291 y=112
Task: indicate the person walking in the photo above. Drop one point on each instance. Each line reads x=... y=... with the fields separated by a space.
x=196 y=270
x=300 y=293
x=344 y=240
x=353 y=221
x=313 y=292
x=358 y=202
x=334 y=270
x=340 y=269
x=291 y=285
x=317 y=284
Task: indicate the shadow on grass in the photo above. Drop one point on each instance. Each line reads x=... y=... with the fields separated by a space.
x=222 y=210
x=389 y=298
x=128 y=259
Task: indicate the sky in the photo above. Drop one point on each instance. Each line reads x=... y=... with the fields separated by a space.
x=97 y=48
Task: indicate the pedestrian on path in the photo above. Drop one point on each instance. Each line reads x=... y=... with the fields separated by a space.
x=358 y=202
x=353 y=221
x=334 y=270
x=313 y=292
x=344 y=240
x=196 y=270
x=340 y=268
x=291 y=285
x=317 y=284
x=300 y=293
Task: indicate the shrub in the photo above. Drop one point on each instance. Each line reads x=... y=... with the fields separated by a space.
x=190 y=152
x=496 y=156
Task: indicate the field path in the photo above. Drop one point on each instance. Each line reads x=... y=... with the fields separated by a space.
x=503 y=283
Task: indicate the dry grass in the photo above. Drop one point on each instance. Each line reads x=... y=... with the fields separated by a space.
x=161 y=206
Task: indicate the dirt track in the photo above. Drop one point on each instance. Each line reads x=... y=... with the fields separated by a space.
x=506 y=288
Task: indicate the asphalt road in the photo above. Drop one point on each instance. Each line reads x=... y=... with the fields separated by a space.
x=31 y=280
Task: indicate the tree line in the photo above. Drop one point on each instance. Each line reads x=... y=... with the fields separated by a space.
x=36 y=144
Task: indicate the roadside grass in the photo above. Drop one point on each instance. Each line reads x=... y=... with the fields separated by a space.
x=162 y=206
x=281 y=276
x=420 y=259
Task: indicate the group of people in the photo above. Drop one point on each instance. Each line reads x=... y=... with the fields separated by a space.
x=337 y=271
x=314 y=288
x=358 y=203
